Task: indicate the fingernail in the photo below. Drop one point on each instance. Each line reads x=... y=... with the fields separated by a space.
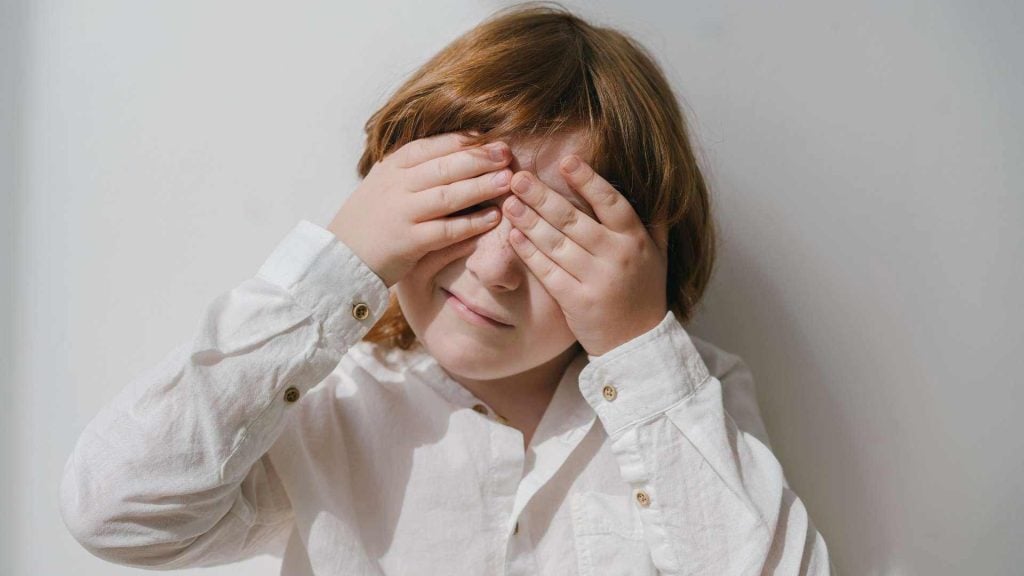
x=514 y=206
x=501 y=178
x=571 y=164
x=522 y=185
x=496 y=151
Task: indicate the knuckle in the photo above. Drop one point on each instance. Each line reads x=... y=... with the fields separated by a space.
x=446 y=198
x=538 y=200
x=613 y=197
x=549 y=269
x=625 y=259
x=590 y=298
x=569 y=220
x=479 y=157
x=517 y=181
x=409 y=150
x=638 y=243
x=560 y=244
x=417 y=239
x=444 y=168
x=451 y=230
x=483 y=184
x=396 y=156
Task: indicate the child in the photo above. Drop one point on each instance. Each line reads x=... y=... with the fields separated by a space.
x=418 y=389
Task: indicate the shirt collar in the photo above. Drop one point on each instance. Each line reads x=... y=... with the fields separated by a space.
x=567 y=416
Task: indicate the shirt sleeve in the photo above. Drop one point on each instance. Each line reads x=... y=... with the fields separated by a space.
x=173 y=472
x=712 y=497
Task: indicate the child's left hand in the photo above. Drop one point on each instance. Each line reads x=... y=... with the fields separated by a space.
x=608 y=276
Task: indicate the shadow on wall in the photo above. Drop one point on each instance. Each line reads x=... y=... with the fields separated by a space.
x=747 y=312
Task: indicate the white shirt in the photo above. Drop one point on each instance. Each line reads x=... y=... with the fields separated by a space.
x=276 y=429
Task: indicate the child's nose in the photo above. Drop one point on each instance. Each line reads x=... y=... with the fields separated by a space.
x=493 y=259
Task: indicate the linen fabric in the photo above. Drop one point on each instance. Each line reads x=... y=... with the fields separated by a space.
x=275 y=429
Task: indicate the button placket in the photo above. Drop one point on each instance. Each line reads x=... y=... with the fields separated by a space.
x=291 y=394
x=482 y=409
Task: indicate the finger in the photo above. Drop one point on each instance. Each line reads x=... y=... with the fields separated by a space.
x=442 y=232
x=558 y=211
x=459 y=166
x=611 y=207
x=557 y=282
x=446 y=200
x=428 y=148
x=557 y=246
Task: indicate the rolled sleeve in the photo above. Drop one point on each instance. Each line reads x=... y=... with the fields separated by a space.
x=636 y=370
x=325 y=276
x=712 y=497
x=186 y=441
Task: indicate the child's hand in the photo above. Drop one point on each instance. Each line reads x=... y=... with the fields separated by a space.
x=609 y=277
x=400 y=210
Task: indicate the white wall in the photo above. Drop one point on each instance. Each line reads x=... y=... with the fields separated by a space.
x=11 y=61
x=866 y=161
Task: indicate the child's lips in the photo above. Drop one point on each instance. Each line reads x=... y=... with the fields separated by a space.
x=468 y=314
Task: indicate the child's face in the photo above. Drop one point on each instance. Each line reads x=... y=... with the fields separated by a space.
x=488 y=272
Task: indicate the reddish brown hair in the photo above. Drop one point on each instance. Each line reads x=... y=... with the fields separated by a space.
x=535 y=69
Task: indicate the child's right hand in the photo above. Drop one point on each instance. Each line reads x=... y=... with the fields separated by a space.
x=400 y=211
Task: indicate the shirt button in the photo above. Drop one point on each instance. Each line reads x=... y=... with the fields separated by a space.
x=516 y=531
x=643 y=499
x=609 y=392
x=360 y=311
x=291 y=394
x=480 y=408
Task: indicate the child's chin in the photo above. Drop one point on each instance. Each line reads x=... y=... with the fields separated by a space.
x=470 y=361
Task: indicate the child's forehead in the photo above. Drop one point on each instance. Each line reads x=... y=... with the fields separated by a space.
x=542 y=158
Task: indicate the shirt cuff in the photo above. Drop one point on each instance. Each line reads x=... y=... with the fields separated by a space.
x=325 y=276
x=644 y=376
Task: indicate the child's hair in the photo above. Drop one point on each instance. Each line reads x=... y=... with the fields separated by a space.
x=536 y=68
